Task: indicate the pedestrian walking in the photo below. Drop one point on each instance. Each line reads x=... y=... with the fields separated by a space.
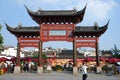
x=84 y=71
x=12 y=67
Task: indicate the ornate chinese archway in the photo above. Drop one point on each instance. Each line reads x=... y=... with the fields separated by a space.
x=58 y=25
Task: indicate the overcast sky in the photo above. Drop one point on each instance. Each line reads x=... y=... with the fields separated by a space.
x=13 y=13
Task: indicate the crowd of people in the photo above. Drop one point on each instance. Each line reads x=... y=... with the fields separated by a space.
x=68 y=66
x=7 y=66
x=108 y=68
x=27 y=66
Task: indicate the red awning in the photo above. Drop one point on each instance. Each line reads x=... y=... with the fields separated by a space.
x=3 y=59
x=113 y=60
x=13 y=59
x=89 y=59
x=104 y=59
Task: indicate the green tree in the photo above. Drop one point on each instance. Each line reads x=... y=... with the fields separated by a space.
x=116 y=52
x=1 y=40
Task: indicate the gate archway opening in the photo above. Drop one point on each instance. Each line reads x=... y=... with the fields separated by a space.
x=58 y=44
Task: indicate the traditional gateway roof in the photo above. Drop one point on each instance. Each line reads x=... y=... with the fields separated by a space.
x=79 y=30
x=24 y=31
x=57 y=16
x=90 y=30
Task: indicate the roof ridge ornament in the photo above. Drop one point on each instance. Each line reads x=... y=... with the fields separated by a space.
x=20 y=24
x=75 y=9
x=95 y=24
x=39 y=8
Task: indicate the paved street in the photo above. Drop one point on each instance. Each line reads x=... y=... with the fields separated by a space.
x=56 y=76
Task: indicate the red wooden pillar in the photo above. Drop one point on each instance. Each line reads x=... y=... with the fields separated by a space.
x=17 y=66
x=18 y=54
x=74 y=54
x=97 y=51
x=74 y=50
x=40 y=54
x=75 y=68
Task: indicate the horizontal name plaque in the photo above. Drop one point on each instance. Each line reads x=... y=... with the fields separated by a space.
x=57 y=33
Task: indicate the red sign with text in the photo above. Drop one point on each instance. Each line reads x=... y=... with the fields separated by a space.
x=57 y=32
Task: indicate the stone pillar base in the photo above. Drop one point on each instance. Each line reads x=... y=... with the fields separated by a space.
x=17 y=69
x=39 y=70
x=75 y=70
x=98 y=70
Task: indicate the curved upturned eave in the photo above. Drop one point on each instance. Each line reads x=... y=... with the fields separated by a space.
x=31 y=13
x=80 y=14
x=10 y=29
x=17 y=32
x=97 y=32
x=81 y=11
x=104 y=28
